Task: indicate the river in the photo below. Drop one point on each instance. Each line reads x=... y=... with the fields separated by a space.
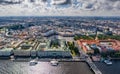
x=18 y=67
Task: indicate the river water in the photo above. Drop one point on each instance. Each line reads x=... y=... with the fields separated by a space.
x=17 y=67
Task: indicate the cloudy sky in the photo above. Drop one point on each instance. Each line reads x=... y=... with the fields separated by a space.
x=59 y=7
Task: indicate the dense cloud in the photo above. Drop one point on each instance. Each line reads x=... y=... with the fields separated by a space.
x=60 y=7
x=10 y=1
x=60 y=2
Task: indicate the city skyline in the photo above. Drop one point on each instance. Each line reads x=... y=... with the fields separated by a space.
x=59 y=8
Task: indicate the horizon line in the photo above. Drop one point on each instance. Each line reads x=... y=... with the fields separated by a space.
x=60 y=16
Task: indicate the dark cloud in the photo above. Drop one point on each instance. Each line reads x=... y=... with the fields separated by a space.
x=89 y=6
x=44 y=0
x=9 y=2
x=32 y=0
x=113 y=0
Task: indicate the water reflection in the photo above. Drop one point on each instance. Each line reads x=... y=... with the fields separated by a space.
x=9 y=67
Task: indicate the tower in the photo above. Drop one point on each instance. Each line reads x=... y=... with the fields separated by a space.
x=96 y=34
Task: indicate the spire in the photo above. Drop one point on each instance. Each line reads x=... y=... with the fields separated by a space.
x=96 y=38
